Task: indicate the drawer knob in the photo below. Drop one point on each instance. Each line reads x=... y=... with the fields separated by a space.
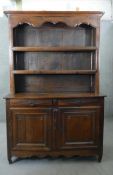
x=32 y=104
x=55 y=110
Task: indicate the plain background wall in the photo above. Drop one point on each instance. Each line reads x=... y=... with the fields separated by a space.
x=4 y=65
x=106 y=65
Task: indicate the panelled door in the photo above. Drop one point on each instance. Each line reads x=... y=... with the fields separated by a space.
x=78 y=127
x=31 y=129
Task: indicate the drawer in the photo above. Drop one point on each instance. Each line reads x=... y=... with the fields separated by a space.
x=29 y=103
x=80 y=101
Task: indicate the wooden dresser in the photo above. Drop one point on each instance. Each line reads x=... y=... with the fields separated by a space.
x=54 y=107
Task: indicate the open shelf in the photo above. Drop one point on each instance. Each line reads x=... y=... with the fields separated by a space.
x=54 y=72
x=54 y=58
x=54 y=83
x=49 y=34
x=51 y=49
x=55 y=61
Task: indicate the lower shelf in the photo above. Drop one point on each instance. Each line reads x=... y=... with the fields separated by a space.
x=84 y=72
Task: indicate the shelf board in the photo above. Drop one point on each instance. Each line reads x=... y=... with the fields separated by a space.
x=51 y=49
x=54 y=72
x=53 y=95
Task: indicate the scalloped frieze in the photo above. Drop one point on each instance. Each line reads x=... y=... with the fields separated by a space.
x=69 y=21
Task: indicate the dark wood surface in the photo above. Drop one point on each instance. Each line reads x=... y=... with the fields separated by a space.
x=55 y=127
x=57 y=43
x=78 y=127
x=51 y=49
x=54 y=61
x=54 y=106
x=31 y=129
x=54 y=83
x=53 y=95
x=54 y=72
x=57 y=35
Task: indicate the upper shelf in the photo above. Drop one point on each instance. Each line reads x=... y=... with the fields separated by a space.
x=51 y=49
x=49 y=34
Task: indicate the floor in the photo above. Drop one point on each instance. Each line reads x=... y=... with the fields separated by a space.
x=60 y=166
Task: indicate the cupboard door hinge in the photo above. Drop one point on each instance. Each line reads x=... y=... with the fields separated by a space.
x=55 y=111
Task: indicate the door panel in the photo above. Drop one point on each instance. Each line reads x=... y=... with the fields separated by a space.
x=78 y=127
x=31 y=129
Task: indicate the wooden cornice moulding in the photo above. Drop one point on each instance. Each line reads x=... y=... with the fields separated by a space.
x=40 y=23
x=37 y=19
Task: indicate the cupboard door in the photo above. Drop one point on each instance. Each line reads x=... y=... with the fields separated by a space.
x=31 y=129
x=78 y=127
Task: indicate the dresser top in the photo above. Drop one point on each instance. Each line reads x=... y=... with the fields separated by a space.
x=57 y=13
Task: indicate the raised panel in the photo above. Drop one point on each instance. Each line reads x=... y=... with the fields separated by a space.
x=79 y=127
x=31 y=129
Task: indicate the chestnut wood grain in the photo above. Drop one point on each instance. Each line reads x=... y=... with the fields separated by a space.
x=54 y=107
x=54 y=72
x=51 y=49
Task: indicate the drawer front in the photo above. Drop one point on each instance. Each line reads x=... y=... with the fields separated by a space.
x=80 y=101
x=29 y=103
